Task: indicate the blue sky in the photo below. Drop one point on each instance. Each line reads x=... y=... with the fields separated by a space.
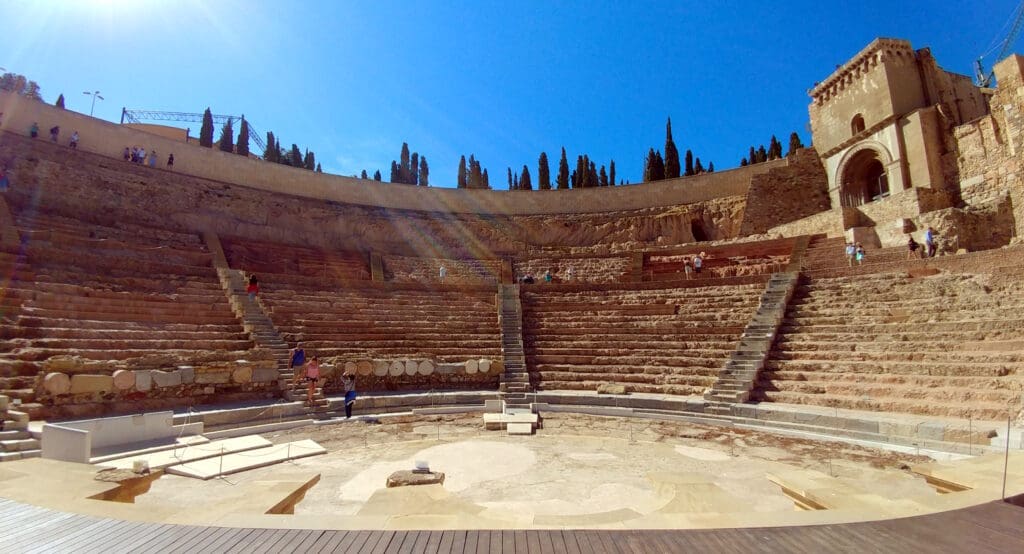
x=502 y=80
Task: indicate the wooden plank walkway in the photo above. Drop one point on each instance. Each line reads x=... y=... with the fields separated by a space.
x=993 y=527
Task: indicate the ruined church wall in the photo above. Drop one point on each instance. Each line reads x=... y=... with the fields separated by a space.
x=109 y=139
x=986 y=161
x=786 y=194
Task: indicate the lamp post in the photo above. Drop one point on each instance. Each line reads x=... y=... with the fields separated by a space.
x=94 y=95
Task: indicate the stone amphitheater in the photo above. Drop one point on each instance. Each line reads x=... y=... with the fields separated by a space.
x=781 y=399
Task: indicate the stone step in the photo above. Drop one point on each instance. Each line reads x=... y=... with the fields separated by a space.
x=19 y=445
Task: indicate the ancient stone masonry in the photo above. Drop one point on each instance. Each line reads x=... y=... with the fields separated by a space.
x=786 y=194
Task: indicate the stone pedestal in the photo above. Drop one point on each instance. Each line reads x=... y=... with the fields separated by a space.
x=406 y=478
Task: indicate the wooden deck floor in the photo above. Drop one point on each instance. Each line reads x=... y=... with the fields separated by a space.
x=992 y=527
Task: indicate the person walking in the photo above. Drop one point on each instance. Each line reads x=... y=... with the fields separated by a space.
x=568 y=274
x=442 y=272
x=296 y=360
x=170 y=160
x=33 y=131
x=312 y=377
x=127 y=154
x=54 y=133
x=851 y=253
x=152 y=159
x=74 y=140
x=687 y=267
x=912 y=247
x=698 y=262
x=859 y=254
x=253 y=288
x=349 y=381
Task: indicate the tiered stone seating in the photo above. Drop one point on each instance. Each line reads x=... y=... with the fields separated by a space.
x=826 y=257
x=387 y=321
x=948 y=345
x=722 y=260
x=406 y=269
x=288 y=263
x=113 y=298
x=660 y=340
x=593 y=269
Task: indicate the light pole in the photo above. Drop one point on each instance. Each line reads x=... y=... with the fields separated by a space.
x=94 y=95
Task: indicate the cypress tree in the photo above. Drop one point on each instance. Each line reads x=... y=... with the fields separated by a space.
x=510 y=183
x=762 y=154
x=592 y=175
x=602 y=178
x=395 y=177
x=318 y=170
x=572 y=179
x=206 y=131
x=363 y=175
x=309 y=162
x=487 y=180
x=463 y=178
x=296 y=157
x=689 y=163
x=60 y=101
x=752 y=156
x=414 y=165
x=774 y=149
x=711 y=167
x=525 y=183
x=743 y=162
x=475 y=177
x=515 y=182
x=671 y=153
x=648 y=165
x=404 y=167
x=611 y=174
x=424 y=172
x=658 y=167
x=563 y=172
x=283 y=156
x=376 y=175
x=242 y=144
x=271 y=153
x=698 y=168
x=580 y=172
x=794 y=144
x=226 y=140
x=543 y=173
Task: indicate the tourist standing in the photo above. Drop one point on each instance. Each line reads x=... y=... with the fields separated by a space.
x=141 y=156
x=349 y=381
x=547 y=276
x=54 y=133
x=74 y=140
x=859 y=253
x=929 y=241
x=698 y=262
x=687 y=267
x=152 y=159
x=568 y=274
x=253 y=287
x=442 y=272
x=170 y=160
x=33 y=131
x=312 y=377
x=851 y=253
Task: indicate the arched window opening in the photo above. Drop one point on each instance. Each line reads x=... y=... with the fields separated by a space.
x=864 y=180
x=857 y=125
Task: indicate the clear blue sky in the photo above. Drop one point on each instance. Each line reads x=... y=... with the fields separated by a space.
x=503 y=80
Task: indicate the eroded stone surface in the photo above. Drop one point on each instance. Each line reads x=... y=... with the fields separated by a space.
x=406 y=478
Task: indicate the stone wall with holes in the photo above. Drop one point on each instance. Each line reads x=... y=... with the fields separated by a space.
x=80 y=394
x=411 y=374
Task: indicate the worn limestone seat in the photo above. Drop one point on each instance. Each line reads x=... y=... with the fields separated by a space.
x=426 y=270
x=280 y=263
x=671 y=340
x=948 y=345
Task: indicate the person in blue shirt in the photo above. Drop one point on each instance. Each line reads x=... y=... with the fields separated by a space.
x=297 y=359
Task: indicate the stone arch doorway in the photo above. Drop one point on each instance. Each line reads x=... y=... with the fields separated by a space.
x=864 y=179
x=699 y=231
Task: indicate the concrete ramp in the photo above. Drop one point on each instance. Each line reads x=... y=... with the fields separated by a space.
x=243 y=461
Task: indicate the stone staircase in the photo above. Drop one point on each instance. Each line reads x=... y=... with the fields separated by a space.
x=738 y=378
x=260 y=327
x=16 y=442
x=515 y=381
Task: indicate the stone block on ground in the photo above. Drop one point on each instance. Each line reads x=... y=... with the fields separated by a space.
x=91 y=383
x=265 y=375
x=213 y=377
x=164 y=379
x=406 y=478
x=611 y=388
x=56 y=383
x=143 y=380
x=188 y=374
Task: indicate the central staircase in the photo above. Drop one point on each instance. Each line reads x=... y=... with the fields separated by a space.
x=739 y=376
x=515 y=381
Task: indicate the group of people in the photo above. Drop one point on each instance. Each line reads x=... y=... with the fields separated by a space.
x=928 y=249
x=137 y=155
x=855 y=253
x=548 y=277
x=33 y=132
x=693 y=265
x=309 y=370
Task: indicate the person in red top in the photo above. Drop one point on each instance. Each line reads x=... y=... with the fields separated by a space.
x=254 y=287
